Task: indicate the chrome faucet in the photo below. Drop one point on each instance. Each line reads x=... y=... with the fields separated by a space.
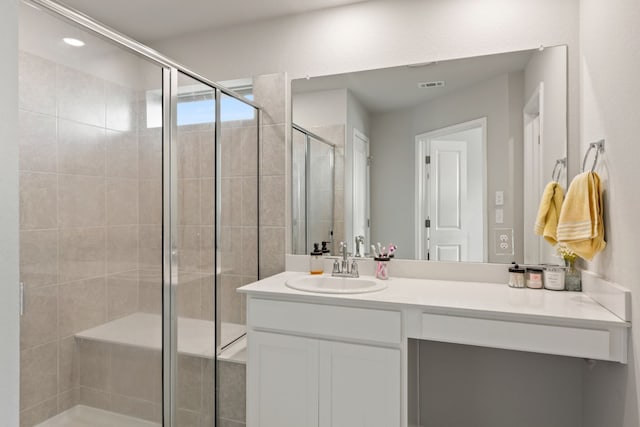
x=344 y=268
x=359 y=245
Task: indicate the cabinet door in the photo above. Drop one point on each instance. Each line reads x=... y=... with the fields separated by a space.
x=359 y=386
x=282 y=381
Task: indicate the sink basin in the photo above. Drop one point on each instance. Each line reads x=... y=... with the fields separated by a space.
x=335 y=285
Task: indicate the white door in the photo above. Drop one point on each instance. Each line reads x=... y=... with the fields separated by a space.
x=360 y=187
x=451 y=218
x=282 y=378
x=359 y=386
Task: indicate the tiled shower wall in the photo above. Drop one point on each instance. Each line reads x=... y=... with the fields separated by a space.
x=79 y=221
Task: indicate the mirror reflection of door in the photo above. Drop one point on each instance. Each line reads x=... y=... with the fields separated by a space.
x=453 y=200
x=361 y=184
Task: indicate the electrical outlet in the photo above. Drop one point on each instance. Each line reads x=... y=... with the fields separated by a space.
x=504 y=241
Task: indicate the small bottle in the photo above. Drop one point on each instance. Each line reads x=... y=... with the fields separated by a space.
x=516 y=276
x=316 y=263
x=325 y=249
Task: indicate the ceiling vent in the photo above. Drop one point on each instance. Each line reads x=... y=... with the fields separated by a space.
x=428 y=85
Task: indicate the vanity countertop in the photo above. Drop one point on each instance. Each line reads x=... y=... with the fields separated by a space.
x=495 y=301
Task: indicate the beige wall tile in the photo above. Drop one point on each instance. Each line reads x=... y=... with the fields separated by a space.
x=39 y=413
x=230 y=250
x=81 y=253
x=207 y=154
x=150 y=292
x=249 y=149
x=268 y=92
x=39 y=325
x=272 y=158
x=249 y=210
x=207 y=201
x=207 y=302
x=249 y=253
x=188 y=296
x=122 y=154
x=68 y=399
x=137 y=408
x=150 y=155
x=122 y=294
x=81 y=148
x=189 y=202
x=272 y=201
x=122 y=201
x=150 y=196
x=83 y=305
x=39 y=258
x=272 y=244
x=121 y=107
x=95 y=398
x=230 y=300
x=189 y=387
x=189 y=248
x=81 y=201
x=38 y=142
x=68 y=365
x=207 y=249
x=94 y=368
x=122 y=248
x=231 y=200
x=232 y=391
x=38 y=201
x=38 y=374
x=150 y=250
x=136 y=373
x=81 y=97
x=186 y=418
x=188 y=155
x=36 y=83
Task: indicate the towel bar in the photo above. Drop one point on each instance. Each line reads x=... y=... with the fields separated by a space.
x=599 y=147
x=560 y=164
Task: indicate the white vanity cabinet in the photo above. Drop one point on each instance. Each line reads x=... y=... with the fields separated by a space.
x=309 y=365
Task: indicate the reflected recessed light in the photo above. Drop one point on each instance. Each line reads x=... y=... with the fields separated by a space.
x=73 y=42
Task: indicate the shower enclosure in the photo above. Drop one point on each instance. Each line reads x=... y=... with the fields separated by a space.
x=312 y=190
x=138 y=221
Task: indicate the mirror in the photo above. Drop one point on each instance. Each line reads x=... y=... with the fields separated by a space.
x=447 y=159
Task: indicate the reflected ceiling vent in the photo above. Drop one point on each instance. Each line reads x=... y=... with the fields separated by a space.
x=428 y=85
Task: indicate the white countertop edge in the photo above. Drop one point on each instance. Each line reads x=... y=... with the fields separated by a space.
x=392 y=297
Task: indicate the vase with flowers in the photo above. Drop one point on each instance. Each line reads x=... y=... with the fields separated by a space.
x=572 y=279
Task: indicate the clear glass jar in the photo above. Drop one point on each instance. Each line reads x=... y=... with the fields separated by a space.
x=554 y=277
x=382 y=268
x=516 y=276
x=534 y=277
x=572 y=278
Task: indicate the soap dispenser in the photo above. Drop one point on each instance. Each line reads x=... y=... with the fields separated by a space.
x=316 y=264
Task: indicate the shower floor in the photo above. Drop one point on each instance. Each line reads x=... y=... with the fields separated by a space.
x=85 y=416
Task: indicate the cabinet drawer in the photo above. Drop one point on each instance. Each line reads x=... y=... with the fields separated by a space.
x=327 y=321
x=561 y=340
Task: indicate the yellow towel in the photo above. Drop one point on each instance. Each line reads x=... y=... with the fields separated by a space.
x=549 y=212
x=580 y=226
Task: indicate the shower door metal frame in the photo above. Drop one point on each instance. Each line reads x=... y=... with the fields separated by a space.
x=170 y=71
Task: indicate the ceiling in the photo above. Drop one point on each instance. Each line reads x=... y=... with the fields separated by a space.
x=152 y=20
x=389 y=89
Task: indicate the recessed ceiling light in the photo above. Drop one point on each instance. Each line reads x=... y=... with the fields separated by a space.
x=73 y=42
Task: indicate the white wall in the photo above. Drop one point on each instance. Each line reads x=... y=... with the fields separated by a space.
x=9 y=317
x=384 y=33
x=393 y=151
x=610 y=92
x=321 y=108
x=543 y=68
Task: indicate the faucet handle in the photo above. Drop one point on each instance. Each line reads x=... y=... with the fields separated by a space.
x=336 y=266
x=354 y=268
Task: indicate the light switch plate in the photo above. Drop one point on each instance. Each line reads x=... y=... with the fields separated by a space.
x=504 y=241
x=499 y=198
x=499 y=216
